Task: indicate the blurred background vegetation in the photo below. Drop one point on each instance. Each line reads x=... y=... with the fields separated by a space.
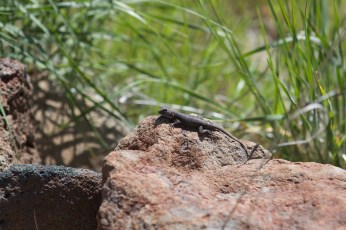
x=272 y=72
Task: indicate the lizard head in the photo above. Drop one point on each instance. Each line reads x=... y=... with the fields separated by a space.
x=166 y=112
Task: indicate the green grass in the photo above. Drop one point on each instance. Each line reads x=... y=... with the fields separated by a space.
x=271 y=72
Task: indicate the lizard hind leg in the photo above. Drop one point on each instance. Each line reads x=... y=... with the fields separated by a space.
x=203 y=131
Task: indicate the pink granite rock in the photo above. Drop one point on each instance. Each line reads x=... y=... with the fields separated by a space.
x=160 y=177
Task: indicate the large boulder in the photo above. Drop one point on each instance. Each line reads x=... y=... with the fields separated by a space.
x=49 y=197
x=161 y=177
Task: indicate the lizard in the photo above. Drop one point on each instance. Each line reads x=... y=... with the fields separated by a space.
x=203 y=126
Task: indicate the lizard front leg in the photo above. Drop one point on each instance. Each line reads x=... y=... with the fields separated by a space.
x=176 y=122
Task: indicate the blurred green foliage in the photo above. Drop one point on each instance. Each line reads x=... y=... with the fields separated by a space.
x=272 y=71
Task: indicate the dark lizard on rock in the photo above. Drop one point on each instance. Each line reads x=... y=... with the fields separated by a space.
x=203 y=126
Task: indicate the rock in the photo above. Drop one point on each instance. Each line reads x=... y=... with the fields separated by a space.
x=49 y=197
x=160 y=177
x=16 y=123
x=186 y=148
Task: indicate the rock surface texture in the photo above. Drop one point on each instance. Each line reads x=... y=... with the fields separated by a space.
x=16 y=123
x=49 y=197
x=160 y=177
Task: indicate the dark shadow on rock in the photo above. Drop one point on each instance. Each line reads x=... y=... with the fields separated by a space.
x=49 y=197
